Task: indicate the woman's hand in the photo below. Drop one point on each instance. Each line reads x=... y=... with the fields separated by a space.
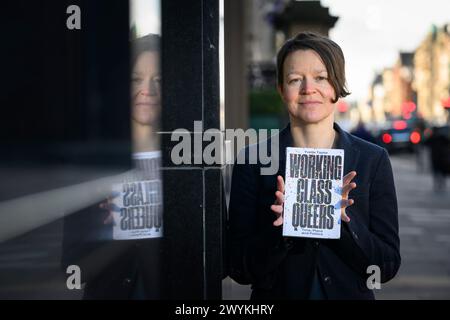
x=278 y=206
x=109 y=206
x=348 y=185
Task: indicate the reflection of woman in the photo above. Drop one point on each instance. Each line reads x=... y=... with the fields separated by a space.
x=128 y=268
x=311 y=78
x=145 y=94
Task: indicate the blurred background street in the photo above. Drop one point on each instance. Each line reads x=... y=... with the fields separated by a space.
x=424 y=219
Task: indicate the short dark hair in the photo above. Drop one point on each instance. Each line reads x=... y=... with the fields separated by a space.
x=148 y=43
x=328 y=50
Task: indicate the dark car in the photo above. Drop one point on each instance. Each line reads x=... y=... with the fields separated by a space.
x=400 y=135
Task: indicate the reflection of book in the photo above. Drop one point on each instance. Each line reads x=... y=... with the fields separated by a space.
x=137 y=202
x=313 y=193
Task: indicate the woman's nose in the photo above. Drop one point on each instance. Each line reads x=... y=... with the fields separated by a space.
x=307 y=87
x=149 y=88
x=144 y=91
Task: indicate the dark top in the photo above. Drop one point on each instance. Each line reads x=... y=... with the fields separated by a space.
x=284 y=268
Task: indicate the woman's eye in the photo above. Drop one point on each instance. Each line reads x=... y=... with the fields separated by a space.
x=294 y=81
x=136 y=80
x=320 y=78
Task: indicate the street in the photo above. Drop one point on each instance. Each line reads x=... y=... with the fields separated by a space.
x=424 y=219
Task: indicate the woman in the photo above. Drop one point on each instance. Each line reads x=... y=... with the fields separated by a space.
x=311 y=79
x=120 y=254
x=145 y=94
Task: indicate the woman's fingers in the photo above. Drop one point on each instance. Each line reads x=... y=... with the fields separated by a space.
x=279 y=194
x=344 y=204
x=109 y=205
x=345 y=217
x=278 y=222
x=278 y=209
x=106 y=204
x=349 y=177
x=279 y=200
x=279 y=197
x=347 y=188
x=280 y=184
x=109 y=219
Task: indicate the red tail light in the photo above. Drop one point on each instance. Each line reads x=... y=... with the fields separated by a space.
x=387 y=138
x=415 y=137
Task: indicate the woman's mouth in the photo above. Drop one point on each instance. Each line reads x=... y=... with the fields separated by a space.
x=146 y=104
x=310 y=103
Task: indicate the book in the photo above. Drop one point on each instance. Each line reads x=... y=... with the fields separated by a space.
x=313 y=193
x=137 y=201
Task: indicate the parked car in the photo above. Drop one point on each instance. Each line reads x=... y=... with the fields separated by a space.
x=400 y=134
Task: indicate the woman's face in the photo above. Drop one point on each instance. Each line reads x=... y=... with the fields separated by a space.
x=146 y=89
x=306 y=90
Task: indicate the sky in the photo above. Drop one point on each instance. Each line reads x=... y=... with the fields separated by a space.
x=373 y=32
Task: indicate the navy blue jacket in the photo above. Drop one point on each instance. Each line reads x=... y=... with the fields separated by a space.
x=283 y=268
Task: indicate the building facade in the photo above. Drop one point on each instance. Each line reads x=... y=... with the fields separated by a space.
x=432 y=74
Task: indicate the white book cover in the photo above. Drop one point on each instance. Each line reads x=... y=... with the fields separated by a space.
x=313 y=193
x=137 y=202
